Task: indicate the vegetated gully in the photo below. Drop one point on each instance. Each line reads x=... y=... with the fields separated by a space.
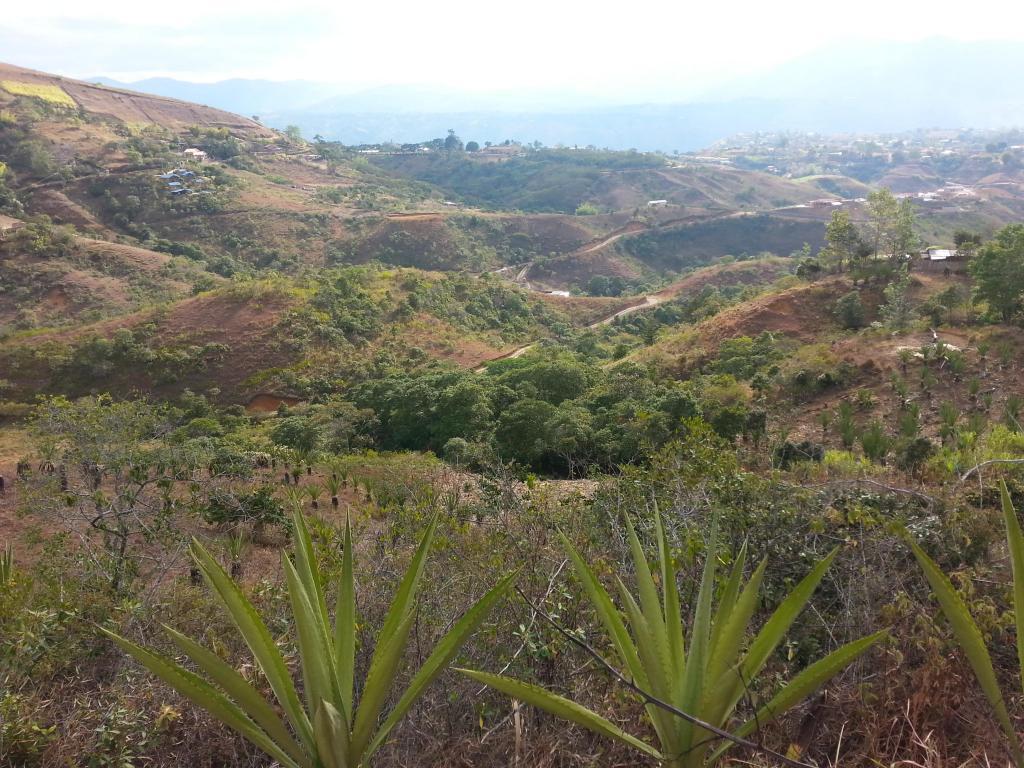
x=644 y=302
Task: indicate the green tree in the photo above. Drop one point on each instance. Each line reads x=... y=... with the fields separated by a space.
x=897 y=309
x=842 y=241
x=891 y=224
x=523 y=431
x=452 y=143
x=297 y=432
x=966 y=242
x=998 y=272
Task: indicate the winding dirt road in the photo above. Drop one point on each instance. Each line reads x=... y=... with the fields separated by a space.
x=646 y=302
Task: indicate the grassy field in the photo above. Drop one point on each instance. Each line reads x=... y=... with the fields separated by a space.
x=52 y=94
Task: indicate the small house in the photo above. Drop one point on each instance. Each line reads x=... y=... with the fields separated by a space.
x=657 y=203
x=939 y=258
x=7 y=224
x=195 y=154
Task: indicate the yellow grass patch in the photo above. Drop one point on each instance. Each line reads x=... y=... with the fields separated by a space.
x=53 y=94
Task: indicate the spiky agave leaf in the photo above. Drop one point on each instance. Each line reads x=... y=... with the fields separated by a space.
x=339 y=734
x=560 y=707
x=971 y=641
x=714 y=675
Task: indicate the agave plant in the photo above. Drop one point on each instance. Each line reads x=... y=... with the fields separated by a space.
x=329 y=727
x=966 y=631
x=314 y=491
x=706 y=678
x=332 y=483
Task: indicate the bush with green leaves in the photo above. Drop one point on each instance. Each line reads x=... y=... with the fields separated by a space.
x=849 y=310
x=875 y=442
x=329 y=727
x=259 y=507
x=705 y=677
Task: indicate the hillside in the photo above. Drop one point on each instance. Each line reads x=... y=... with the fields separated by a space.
x=115 y=105
x=242 y=369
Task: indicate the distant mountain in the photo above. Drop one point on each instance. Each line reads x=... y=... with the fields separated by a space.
x=853 y=87
x=895 y=86
x=244 y=97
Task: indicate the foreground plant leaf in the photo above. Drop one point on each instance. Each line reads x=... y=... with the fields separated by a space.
x=966 y=631
x=706 y=677
x=332 y=731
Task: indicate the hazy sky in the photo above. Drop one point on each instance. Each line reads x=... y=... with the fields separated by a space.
x=591 y=46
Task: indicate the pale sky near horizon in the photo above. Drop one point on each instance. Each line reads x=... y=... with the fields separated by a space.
x=530 y=44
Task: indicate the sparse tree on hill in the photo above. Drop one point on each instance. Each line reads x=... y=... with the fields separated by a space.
x=111 y=480
x=967 y=243
x=897 y=310
x=452 y=143
x=891 y=224
x=998 y=272
x=842 y=241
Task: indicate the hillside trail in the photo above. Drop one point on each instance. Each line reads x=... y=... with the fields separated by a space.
x=646 y=302
x=639 y=227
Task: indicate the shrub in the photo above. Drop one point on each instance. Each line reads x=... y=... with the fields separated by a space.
x=849 y=310
x=874 y=442
x=805 y=450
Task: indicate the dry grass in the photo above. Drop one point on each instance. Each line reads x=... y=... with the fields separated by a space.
x=52 y=94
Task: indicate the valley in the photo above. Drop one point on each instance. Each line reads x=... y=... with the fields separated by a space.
x=247 y=374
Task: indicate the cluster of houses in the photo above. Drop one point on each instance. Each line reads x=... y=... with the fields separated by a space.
x=181 y=182
x=948 y=193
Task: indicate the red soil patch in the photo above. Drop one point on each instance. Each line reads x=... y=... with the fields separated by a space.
x=248 y=328
x=127 y=255
x=802 y=313
x=264 y=403
x=442 y=341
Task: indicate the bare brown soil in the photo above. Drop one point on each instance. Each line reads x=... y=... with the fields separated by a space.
x=264 y=403
x=64 y=210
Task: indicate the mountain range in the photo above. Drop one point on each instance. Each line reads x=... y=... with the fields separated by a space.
x=849 y=88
